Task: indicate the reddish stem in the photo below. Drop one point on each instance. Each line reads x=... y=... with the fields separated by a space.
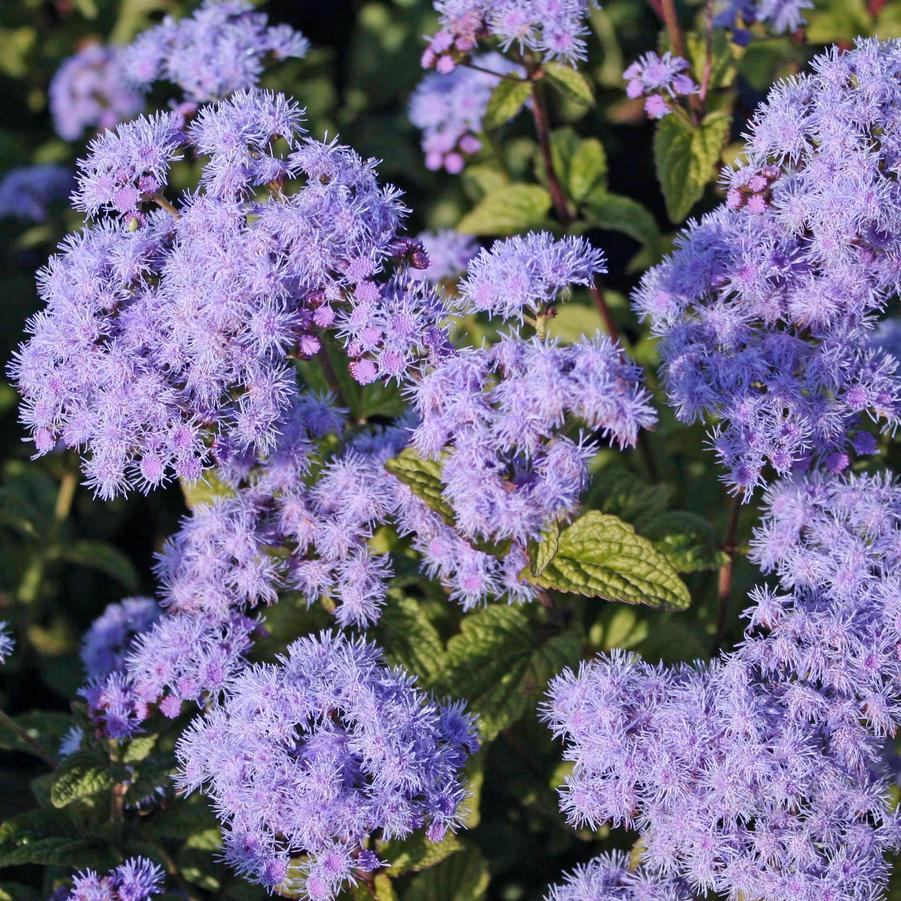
x=724 y=584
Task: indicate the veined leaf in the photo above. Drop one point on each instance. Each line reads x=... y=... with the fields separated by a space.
x=506 y=100
x=508 y=210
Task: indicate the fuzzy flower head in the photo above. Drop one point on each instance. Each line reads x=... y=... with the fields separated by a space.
x=315 y=753
x=448 y=110
x=106 y=642
x=138 y=879
x=7 y=642
x=759 y=773
x=766 y=307
x=219 y=49
x=609 y=877
x=661 y=79
x=89 y=91
x=448 y=253
x=780 y=16
x=29 y=191
x=551 y=29
x=170 y=326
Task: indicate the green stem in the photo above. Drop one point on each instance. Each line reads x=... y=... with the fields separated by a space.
x=39 y=750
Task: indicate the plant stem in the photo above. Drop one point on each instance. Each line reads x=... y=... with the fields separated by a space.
x=597 y=294
x=501 y=75
x=543 y=131
x=677 y=42
x=39 y=750
x=724 y=583
x=164 y=204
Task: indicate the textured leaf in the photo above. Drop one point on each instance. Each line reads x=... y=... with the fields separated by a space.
x=49 y=837
x=463 y=877
x=570 y=82
x=620 y=492
x=410 y=855
x=601 y=556
x=80 y=776
x=508 y=210
x=182 y=820
x=685 y=156
x=507 y=99
x=580 y=164
x=623 y=214
x=104 y=558
x=423 y=478
x=408 y=637
x=499 y=662
x=545 y=549
x=687 y=540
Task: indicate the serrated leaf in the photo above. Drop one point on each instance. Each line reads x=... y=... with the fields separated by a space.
x=508 y=210
x=685 y=156
x=570 y=82
x=687 y=540
x=601 y=556
x=423 y=478
x=463 y=877
x=545 y=549
x=408 y=637
x=499 y=662
x=619 y=492
x=506 y=100
x=80 y=776
x=410 y=855
x=615 y=212
x=139 y=748
x=103 y=557
x=48 y=837
x=580 y=164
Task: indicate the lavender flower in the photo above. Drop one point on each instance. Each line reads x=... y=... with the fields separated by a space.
x=661 y=79
x=218 y=50
x=449 y=108
x=761 y=773
x=7 y=642
x=610 y=878
x=169 y=333
x=89 y=91
x=135 y=880
x=526 y=274
x=780 y=15
x=105 y=644
x=552 y=29
x=448 y=252
x=313 y=754
x=27 y=192
x=765 y=307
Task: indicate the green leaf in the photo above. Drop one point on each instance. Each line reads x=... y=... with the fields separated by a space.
x=500 y=661
x=410 y=855
x=615 y=212
x=408 y=637
x=81 y=776
x=104 y=558
x=620 y=492
x=580 y=164
x=687 y=540
x=183 y=820
x=570 y=82
x=423 y=478
x=723 y=68
x=685 y=156
x=508 y=210
x=602 y=556
x=49 y=837
x=545 y=549
x=463 y=877
x=507 y=99
x=204 y=490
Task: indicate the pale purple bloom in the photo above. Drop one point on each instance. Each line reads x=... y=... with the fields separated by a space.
x=766 y=307
x=219 y=49
x=611 y=878
x=448 y=253
x=89 y=92
x=340 y=746
x=7 y=642
x=28 y=192
x=138 y=879
x=780 y=15
x=661 y=79
x=105 y=644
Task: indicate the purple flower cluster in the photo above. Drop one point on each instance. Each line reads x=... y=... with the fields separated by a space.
x=315 y=753
x=610 y=878
x=28 y=192
x=766 y=306
x=449 y=108
x=662 y=79
x=780 y=15
x=449 y=254
x=138 y=879
x=7 y=642
x=551 y=29
x=760 y=774
x=218 y=50
x=89 y=91
x=170 y=328
x=105 y=644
